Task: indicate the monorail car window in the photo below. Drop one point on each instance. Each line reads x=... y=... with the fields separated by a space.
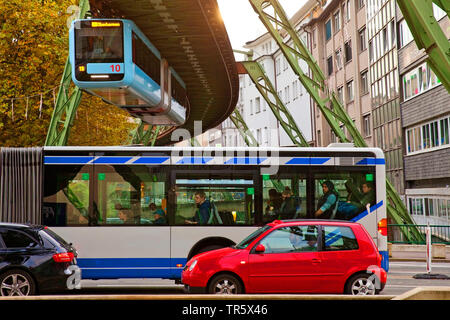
x=98 y=44
x=144 y=58
x=178 y=92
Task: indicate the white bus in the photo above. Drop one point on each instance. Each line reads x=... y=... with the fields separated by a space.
x=139 y=212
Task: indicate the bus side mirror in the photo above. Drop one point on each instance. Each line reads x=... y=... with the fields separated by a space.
x=260 y=248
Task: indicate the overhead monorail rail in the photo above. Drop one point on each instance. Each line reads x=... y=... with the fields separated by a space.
x=191 y=35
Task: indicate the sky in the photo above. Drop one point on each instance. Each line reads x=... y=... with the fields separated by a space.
x=242 y=22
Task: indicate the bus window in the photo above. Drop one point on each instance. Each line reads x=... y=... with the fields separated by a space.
x=131 y=195
x=66 y=200
x=284 y=198
x=214 y=202
x=343 y=195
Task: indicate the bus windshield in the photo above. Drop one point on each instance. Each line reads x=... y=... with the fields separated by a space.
x=101 y=42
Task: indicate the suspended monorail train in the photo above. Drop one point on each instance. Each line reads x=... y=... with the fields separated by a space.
x=113 y=59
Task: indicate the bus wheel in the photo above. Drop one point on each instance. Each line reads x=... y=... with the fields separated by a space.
x=225 y=284
x=210 y=248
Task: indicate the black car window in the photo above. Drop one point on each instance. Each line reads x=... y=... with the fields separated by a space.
x=339 y=238
x=291 y=239
x=17 y=239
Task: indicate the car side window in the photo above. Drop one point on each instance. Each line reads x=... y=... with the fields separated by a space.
x=339 y=238
x=17 y=239
x=291 y=239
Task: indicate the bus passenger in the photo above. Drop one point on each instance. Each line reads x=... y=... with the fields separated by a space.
x=203 y=211
x=158 y=214
x=288 y=206
x=350 y=209
x=125 y=216
x=328 y=202
x=273 y=206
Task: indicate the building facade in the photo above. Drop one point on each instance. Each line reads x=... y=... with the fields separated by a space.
x=339 y=45
x=425 y=112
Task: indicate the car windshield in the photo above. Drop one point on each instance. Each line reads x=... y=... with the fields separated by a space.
x=244 y=243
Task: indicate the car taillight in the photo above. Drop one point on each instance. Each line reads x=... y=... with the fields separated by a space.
x=63 y=257
x=382 y=227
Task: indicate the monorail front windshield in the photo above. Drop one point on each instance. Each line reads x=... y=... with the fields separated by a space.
x=98 y=42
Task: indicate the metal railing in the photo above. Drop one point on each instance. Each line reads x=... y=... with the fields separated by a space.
x=397 y=233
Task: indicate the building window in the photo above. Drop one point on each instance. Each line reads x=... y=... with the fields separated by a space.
x=370 y=51
x=418 y=80
x=294 y=90
x=330 y=65
x=277 y=66
x=328 y=31
x=366 y=126
x=338 y=55
x=361 y=4
x=348 y=51
x=257 y=105
x=350 y=91
x=429 y=135
x=392 y=26
x=340 y=94
x=364 y=83
x=337 y=23
x=347 y=14
x=385 y=39
x=362 y=40
x=405 y=35
x=251 y=107
x=314 y=37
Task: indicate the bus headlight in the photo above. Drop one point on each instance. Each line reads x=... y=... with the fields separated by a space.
x=193 y=264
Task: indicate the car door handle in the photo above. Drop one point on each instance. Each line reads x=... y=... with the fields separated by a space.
x=316 y=260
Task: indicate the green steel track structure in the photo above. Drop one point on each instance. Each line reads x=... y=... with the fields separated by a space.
x=275 y=19
x=67 y=101
x=428 y=34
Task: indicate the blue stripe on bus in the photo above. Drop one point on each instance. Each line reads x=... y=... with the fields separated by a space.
x=307 y=161
x=365 y=213
x=151 y=160
x=112 y=160
x=245 y=160
x=194 y=160
x=384 y=260
x=67 y=160
x=371 y=161
x=112 y=268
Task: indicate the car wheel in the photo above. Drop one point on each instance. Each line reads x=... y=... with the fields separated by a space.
x=225 y=284
x=16 y=283
x=361 y=284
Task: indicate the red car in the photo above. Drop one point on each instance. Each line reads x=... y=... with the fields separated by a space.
x=303 y=256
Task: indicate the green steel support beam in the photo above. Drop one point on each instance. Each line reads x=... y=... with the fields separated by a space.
x=428 y=34
x=331 y=108
x=67 y=101
x=145 y=134
x=269 y=93
x=243 y=129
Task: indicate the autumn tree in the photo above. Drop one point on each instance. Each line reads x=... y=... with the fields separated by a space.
x=33 y=52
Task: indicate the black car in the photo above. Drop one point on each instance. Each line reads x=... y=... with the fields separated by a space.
x=34 y=259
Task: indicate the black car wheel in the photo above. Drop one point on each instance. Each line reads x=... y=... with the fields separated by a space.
x=16 y=283
x=225 y=284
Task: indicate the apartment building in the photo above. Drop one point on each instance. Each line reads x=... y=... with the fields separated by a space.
x=425 y=112
x=255 y=110
x=339 y=45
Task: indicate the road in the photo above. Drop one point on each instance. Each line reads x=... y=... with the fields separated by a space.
x=400 y=276
x=400 y=280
